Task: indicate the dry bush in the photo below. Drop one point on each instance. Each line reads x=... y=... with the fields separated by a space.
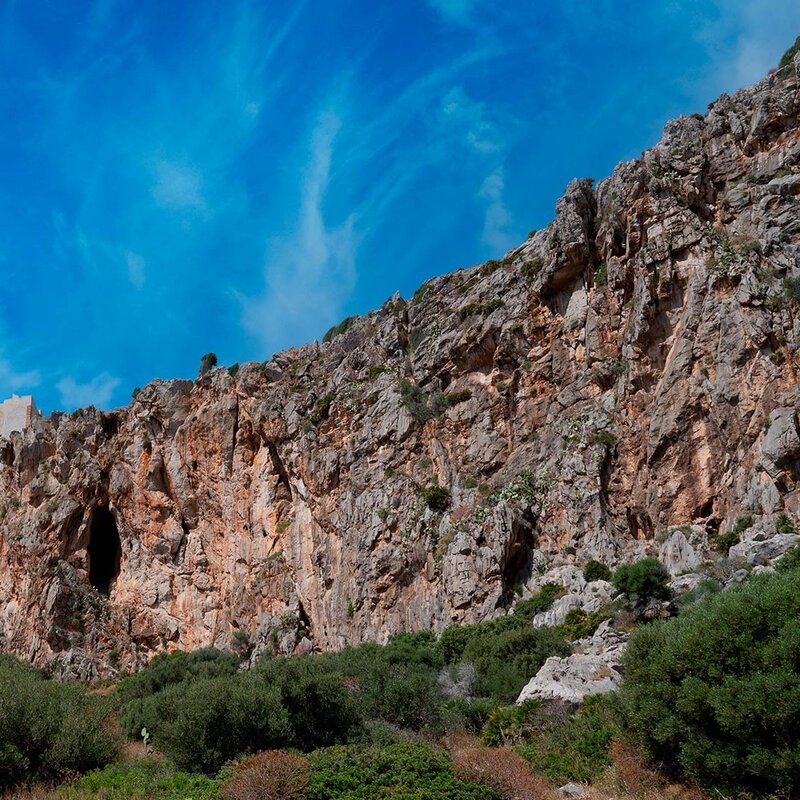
x=632 y=778
x=38 y=791
x=634 y=775
x=271 y=775
x=502 y=769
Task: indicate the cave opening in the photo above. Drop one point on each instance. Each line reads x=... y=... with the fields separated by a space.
x=104 y=550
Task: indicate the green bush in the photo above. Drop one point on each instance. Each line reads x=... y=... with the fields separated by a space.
x=140 y=692
x=399 y=772
x=505 y=660
x=339 y=329
x=470 y=715
x=578 y=624
x=642 y=581
x=144 y=779
x=715 y=692
x=48 y=729
x=205 y=724
x=724 y=541
x=574 y=749
x=207 y=363
x=320 y=709
x=784 y=524
x=541 y=601
x=596 y=571
x=510 y=724
x=506 y=653
x=790 y=560
x=436 y=497
x=789 y=55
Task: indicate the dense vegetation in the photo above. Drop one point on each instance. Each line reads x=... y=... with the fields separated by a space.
x=201 y=712
x=49 y=729
x=712 y=695
x=716 y=691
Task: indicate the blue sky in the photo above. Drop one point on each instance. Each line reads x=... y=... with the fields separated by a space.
x=236 y=177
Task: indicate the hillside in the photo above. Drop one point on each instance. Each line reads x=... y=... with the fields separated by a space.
x=626 y=372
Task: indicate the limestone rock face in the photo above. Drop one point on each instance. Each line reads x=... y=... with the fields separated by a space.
x=628 y=371
x=594 y=668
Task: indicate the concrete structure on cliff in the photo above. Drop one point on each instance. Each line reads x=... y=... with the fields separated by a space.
x=17 y=414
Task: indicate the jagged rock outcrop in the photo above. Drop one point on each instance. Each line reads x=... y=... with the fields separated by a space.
x=594 y=668
x=628 y=370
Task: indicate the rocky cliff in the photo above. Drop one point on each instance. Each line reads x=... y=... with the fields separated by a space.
x=627 y=372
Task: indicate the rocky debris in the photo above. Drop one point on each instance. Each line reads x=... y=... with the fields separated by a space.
x=686 y=583
x=629 y=370
x=574 y=790
x=594 y=668
x=760 y=550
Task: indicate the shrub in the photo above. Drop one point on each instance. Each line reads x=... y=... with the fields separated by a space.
x=207 y=363
x=273 y=775
x=48 y=729
x=505 y=653
x=204 y=724
x=715 y=692
x=143 y=779
x=601 y=275
x=402 y=771
x=790 y=560
x=576 y=748
x=531 y=268
x=596 y=571
x=339 y=329
x=505 y=660
x=509 y=724
x=642 y=581
x=461 y=396
x=541 y=601
x=578 y=624
x=784 y=524
x=791 y=288
x=470 y=715
x=501 y=769
x=415 y=401
x=436 y=497
x=141 y=706
x=724 y=541
x=789 y=55
x=321 y=710
x=322 y=408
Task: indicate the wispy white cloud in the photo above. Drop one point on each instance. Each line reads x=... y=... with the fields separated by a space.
x=458 y=11
x=470 y=116
x=136 y=266
x=497 y=219
x=96 y=392
x=469 y=121
x=178 y=186
x=760 y=42
x=309 y=274
x=15 y=381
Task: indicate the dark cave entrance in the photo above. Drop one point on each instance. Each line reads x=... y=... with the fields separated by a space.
x=104 y=550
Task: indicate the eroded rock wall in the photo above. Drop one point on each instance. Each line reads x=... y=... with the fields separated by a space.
x=629 y=368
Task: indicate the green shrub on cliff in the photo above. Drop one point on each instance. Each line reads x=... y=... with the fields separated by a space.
x=642 y=581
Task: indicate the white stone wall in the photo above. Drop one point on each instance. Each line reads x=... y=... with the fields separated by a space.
x=16 y=414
